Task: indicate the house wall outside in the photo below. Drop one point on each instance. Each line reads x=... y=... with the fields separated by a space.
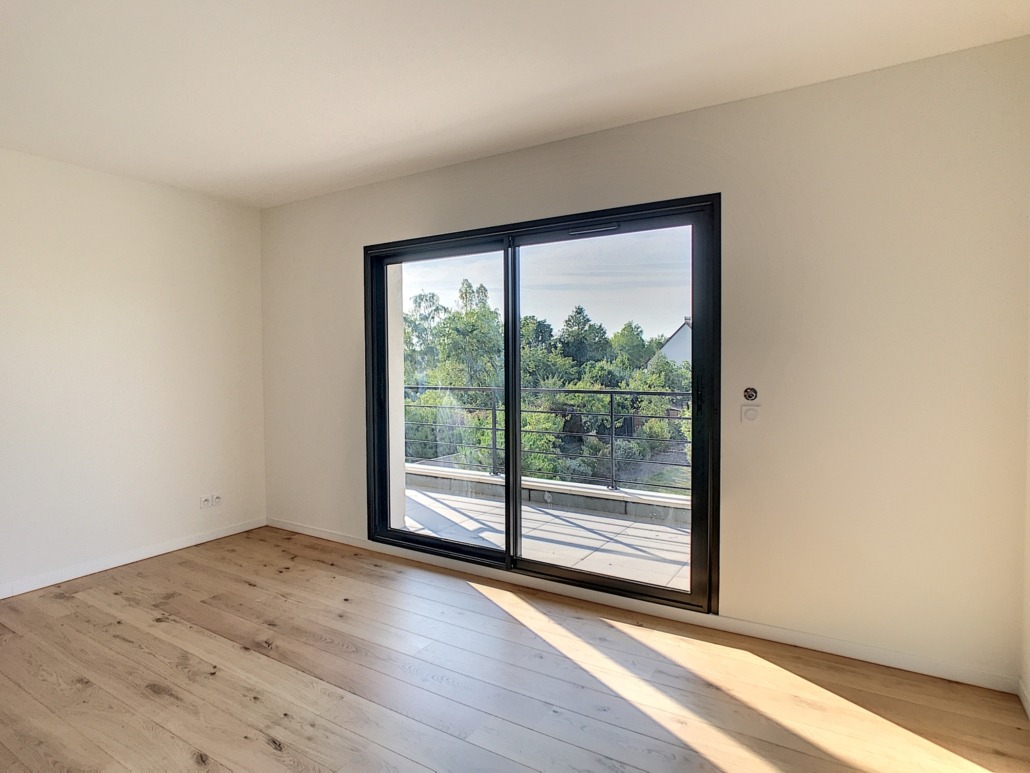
x=679 y=347
x=875 y=275
x=130 y=370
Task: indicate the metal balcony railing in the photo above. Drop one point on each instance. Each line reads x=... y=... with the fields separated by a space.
x=440 y=422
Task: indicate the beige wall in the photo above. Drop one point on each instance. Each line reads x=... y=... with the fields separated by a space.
x=130 y=370
x=875 y=292
x=1024 y=673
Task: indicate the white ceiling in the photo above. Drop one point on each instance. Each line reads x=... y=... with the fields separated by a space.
x=269 y=101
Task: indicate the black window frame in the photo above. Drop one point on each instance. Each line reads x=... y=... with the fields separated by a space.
x=703 y=213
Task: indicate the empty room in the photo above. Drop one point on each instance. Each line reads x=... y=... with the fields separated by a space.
x=481 y=385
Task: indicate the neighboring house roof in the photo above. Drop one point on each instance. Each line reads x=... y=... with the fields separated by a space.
x=678 y=346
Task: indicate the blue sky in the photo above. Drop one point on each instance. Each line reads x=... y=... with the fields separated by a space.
x=643 y=276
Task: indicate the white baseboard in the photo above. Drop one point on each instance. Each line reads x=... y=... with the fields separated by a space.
x=1024 y=697
x=868 y=653
x=64 y=574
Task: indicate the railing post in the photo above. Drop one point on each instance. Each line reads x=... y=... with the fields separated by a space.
x=493 y=432
x=611 y=438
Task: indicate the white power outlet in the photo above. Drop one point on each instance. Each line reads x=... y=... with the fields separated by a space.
x=216 y=500
x=205 y=501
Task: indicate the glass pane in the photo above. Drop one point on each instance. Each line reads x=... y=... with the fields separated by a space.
x=606 y=411
x=446 y=377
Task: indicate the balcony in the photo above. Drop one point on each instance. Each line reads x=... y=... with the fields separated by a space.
x=605 y=486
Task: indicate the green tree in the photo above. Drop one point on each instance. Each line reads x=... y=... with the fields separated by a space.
x=568 y=432
x=629 y=345
x=605 y=374
x=663 y=375
x=470 y=297
x=542 y=364
x=654 y=345
x=538 y=444
x=537 y=333
x=435 y=424
x=470 y=341
x=582 y=340
x=546 y=368
x=421 y=354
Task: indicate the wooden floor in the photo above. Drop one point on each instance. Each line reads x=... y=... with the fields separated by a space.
x=270 y=650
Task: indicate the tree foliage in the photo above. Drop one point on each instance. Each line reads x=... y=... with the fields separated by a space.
x=471 y=341
x=582 y=340
x=421 y=354
x=567 y=433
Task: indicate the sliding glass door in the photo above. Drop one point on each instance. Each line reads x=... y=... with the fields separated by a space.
x=606 y=401
x=542 y=398
x=443 y=395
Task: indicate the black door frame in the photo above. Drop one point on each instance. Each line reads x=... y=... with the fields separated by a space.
x=701 y=212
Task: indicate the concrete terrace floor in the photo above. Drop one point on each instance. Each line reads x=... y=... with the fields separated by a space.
x=642 y=551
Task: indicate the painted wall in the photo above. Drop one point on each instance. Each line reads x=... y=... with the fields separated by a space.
x=130 y=370
x=875 y=292
x=1024 y=680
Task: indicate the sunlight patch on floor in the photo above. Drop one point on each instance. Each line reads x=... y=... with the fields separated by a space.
x=718 y=746
x=842 y=728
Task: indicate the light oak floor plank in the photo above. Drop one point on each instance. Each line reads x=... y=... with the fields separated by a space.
x=677 y=672
x=9 y=763
x=410 y=738
x=730 y=716
x=648 y=712
x=598 y=619
x=285 y=722
x=232 y=739
x=505 y=704
x=43 y=741
x=978 y=718
x=277 y=651
x=115 y=727
x=366 y=716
